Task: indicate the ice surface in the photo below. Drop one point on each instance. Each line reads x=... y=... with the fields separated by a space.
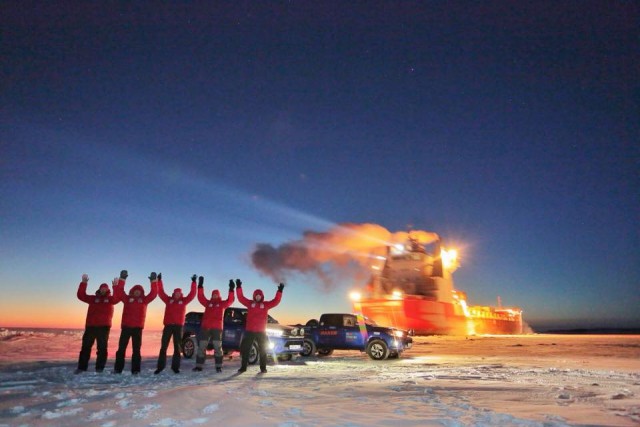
x=529 y=380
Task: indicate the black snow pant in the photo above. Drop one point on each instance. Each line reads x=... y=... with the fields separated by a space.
x=169 y=332
x=247 y=342
x=135 y=334
x=99 y=334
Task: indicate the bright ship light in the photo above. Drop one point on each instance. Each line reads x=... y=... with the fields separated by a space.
x=449 y=258
x=355 y=296
x=396 y=294
x=397 y=249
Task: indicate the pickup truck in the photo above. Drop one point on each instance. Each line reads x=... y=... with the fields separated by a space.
x=353 y=332
x=284 y=341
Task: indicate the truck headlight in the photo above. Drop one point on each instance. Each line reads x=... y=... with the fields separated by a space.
x=399 y=334
x=274 y=332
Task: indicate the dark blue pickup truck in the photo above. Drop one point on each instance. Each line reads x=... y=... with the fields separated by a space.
x=284 y=341
x=352 y=332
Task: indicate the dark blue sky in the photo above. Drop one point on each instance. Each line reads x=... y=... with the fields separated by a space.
x=175 y=138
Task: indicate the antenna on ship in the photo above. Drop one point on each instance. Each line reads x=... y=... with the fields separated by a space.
x=409 y=229
x=414 y=244
x=499 y=302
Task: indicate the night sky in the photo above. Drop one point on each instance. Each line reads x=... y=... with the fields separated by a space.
x=175 y=138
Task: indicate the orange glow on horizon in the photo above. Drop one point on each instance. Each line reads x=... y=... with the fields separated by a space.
x=73 y=315
x=69 y=316
x=47 y=318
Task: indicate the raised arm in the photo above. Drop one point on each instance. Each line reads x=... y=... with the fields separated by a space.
x=231 y=297
x=274 y=302
x=192 y=293
x=244 y=301
x=118 y=291
x=161 y=293
x=201 y=298
x=113 y=299
x=154 y=288
x=82 y=289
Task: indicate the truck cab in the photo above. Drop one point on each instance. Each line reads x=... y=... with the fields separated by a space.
x=344 y=331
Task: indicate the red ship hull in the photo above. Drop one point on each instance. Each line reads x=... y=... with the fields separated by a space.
x=430 y=317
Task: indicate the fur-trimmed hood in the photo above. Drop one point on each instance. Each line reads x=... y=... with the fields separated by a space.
x=104 y=287
x=258 y=292
x=137 y=288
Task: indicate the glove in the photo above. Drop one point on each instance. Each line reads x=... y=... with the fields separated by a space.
x=280 y=287
x=85 y=278
x=238 y=283
x=124 y=274
x=159 y=276
x=115 y=282
x=200 y=281
x=231 y=285
x=193 y=278
x=153 y=276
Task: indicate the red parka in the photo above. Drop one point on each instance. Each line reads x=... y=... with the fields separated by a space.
x=135 y=308
x=175 y=309
x=257 y=311
x=100 y=311
x=214 y=308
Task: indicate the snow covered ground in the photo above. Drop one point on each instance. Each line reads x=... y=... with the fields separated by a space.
x=529 y=380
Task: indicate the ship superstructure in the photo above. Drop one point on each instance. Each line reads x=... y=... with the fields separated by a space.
x=414 y=289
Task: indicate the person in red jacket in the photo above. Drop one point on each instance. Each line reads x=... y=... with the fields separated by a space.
x=255 y=328
x=212 y=324
x=133 y=317
x=97 y=324
x=176 y=306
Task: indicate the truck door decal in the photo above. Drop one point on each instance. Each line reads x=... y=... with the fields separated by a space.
x=352 y=336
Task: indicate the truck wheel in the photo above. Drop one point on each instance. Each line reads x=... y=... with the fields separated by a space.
x=377 y=350
x=188 y=347
x=325 y=352
x=308 y=348
x=254 y=354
